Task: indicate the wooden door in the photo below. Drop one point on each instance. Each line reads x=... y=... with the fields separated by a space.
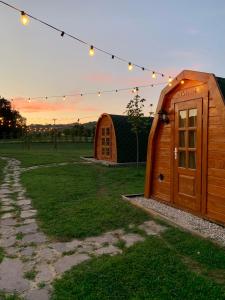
x=187 y=154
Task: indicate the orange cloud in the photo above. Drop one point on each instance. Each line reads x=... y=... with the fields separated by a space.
x=33 y=106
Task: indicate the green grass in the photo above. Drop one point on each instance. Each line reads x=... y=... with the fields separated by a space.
x=4 y=296
x=2 y=165
x=44 y=153
x=30 y=275
x=1 y=255
x=149 y=270
x=83 y=200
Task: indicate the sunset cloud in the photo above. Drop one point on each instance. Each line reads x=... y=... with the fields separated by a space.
x=34 y=106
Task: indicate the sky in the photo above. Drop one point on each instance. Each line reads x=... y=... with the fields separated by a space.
x=164 y=35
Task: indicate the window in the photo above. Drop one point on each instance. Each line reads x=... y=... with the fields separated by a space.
x=106 y=142
x=187 y=138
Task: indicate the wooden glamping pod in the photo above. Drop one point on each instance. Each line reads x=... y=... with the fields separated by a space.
x=115 y=141
x=186 y=147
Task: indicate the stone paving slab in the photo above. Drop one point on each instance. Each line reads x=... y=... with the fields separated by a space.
x=7 y=208
x=67 y=262
x=45 y=273
x=131 y=238
x=38 y=294
x=28 y=214
x=23 y=202
x=29 y=221
x=11 y=274
x=28 y=251
x=7 y=242
x=109 y=250
x=36 y=238
x=7 y=216
x=28 y=228
x=8 y=222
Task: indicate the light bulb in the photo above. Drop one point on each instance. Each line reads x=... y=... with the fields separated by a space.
x=153 y=75
x=170 y=79
x=92 y=51
x=99 y=94
x=24 y=19
x=64 y=98
x=182 y=82
x=130 y=66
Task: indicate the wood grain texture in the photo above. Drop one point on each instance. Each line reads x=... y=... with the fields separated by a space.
x=161 y=146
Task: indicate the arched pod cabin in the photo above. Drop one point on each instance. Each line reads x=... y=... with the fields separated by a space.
x=186 y=146
x=116 y=142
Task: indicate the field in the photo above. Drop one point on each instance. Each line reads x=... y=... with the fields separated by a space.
x=81 y=200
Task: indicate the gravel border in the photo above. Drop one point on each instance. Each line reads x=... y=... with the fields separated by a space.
x=181 y=218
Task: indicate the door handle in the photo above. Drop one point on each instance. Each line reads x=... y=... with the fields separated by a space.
x=175 y=153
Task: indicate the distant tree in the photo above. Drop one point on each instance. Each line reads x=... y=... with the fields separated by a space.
x=134 y=111
x=11 y=122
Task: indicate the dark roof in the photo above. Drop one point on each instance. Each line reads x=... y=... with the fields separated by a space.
x=126 y=139
x=221 y=83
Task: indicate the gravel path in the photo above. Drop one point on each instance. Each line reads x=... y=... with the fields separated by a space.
x=32 y=261
x=184 y=219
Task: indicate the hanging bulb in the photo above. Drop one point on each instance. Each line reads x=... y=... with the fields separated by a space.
x=64 y=98
x=24 y=19
x=91 y=51
x=133 y=90
x=170 y=79
x=170 y=84
x=182 y=82
x=28 y=100
x=153 y=75
x=130 y=66
x=99 y=94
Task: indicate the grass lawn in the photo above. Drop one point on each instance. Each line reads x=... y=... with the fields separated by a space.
x=167 y=267
x=83 y=200
x=2 y=165
x=77 y=201
x=44 y=153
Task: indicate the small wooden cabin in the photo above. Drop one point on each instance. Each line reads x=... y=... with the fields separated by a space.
x=116 y=142
x=186 y=146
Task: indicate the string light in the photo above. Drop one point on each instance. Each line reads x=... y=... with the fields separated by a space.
x=92 y=51
x=153 y=75
x=130 y=66
x=99 y=93
x=24 y=19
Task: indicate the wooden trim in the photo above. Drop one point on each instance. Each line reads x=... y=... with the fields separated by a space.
x=113 y=136
x=205 y=154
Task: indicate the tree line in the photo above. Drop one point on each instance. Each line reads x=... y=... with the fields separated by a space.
x=12 y=124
